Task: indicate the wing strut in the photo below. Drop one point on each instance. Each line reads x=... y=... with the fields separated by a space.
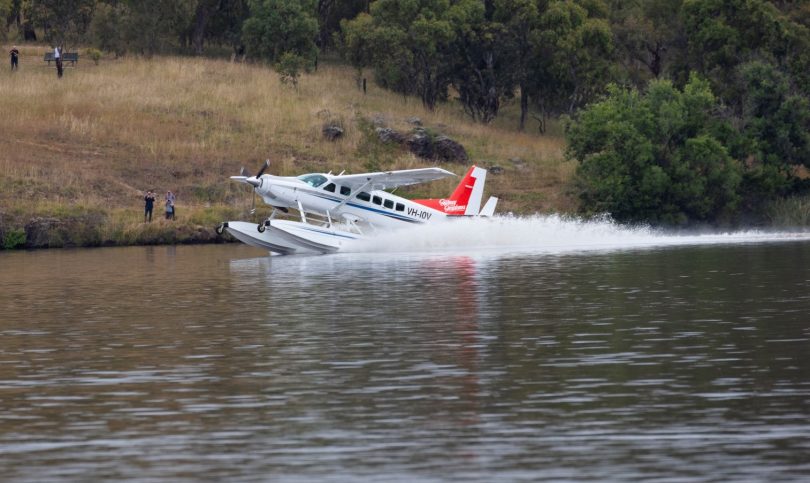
x=352 y=196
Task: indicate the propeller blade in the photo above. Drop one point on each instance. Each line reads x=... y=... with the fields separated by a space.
x=243 y=172
x=253 y=204
x=264 y=167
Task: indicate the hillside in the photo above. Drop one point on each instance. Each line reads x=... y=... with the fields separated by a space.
x=85 y=147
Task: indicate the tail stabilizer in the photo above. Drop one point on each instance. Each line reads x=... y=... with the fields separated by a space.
x=466 y=198
x=489 y=207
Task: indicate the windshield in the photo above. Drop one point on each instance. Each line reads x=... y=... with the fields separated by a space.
x=313 y=180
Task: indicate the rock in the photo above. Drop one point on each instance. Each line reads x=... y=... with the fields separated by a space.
x=44 y=232
x=389 y=136
x=332 y=132
x=420 y=144
x=378 y=120
x=414 y=121
x=518 y=163
x=496 y=170
x=447 y=150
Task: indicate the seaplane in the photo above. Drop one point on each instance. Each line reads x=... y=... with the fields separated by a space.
x=338 y=211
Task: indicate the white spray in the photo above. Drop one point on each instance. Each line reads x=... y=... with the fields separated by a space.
x=549 y=234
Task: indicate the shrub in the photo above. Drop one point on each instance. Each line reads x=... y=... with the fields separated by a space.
x=94 y=54
x=14 y=238
x=793 y=212
x=289 y=68
x=653 y=156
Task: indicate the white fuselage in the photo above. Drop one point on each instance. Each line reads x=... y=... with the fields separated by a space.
x=317 y=194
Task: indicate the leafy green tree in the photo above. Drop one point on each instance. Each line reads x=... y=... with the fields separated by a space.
x=217 y=21
x=411 y=46
x=146 y=27
x=649 y=35
x=726 y=33
x=774 y=136
x=276 y=27
x=7 y=13
x=483 y=72
x=332 y=13
x=573 y=55
x=521 y=20
x=655 y=156
x=289 y=67
x=353 y=42
x=65 y=21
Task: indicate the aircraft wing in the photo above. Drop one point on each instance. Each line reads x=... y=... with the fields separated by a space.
x=391 y=179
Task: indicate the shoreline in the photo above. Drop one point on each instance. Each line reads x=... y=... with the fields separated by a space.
x=35 y=232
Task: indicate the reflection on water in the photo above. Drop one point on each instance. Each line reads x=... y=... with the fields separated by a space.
x=220 y=362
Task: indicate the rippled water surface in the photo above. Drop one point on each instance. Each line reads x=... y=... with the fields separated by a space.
x=221 y=363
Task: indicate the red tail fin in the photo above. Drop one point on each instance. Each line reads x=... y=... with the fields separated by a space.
x=466 y=198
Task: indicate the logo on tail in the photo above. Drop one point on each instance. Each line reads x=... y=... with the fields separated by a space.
x=466 y=198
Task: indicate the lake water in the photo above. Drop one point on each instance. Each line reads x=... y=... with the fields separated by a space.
x=594 y=354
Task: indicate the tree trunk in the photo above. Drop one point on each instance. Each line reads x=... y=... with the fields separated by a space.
x=200 y=22
x=524 y=107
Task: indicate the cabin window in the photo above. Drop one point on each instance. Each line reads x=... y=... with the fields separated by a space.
x=376 y=200
x=345 y=191
x=388 y=204
x=330 y=187
x=364 y=196
x=313 y=180
x=400 y=207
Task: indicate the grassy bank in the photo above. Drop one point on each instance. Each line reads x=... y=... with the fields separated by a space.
x=82 y=149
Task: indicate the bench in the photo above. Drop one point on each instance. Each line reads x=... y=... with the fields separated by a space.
x=72 y=57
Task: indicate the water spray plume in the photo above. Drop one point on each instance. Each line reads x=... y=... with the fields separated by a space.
x=552 y=234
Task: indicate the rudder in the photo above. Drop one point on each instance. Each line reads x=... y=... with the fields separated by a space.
x=466 y=198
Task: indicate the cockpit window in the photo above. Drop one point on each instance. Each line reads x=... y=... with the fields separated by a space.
x=313 y=180
x=330 y=187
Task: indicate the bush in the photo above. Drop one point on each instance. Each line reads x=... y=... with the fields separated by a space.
x=791 y=212
x=289 y=68
x=14 y=238
x=654 y=157
x=94 y=54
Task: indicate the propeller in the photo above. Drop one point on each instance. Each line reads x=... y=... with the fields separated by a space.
x=264 y=167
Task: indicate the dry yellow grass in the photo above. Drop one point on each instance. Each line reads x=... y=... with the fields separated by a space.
x=104 y=133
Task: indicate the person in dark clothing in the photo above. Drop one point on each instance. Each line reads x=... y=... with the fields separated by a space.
x=15 y=58
x=149 y=204
x=170 y=207
x=57 y=55
x=169 y=210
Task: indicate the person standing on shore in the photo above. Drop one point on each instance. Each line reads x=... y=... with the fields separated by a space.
x=170 y=198
x=57 y=56
x=149 y=204
x=15 y=58
x=169 y=210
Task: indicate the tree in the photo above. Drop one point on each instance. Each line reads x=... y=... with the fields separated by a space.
x=573 y=51
x=353 y=42
x=483 y=72
x=147 y=27
x=724 y=34
x=655 y=157
x=6 y=12
x=216 y=21
x=276 y=27
x=774 y=136
x=410 y=46
x=332 y=13
x=649 y=34
x=65 y=21
x=521 y=20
